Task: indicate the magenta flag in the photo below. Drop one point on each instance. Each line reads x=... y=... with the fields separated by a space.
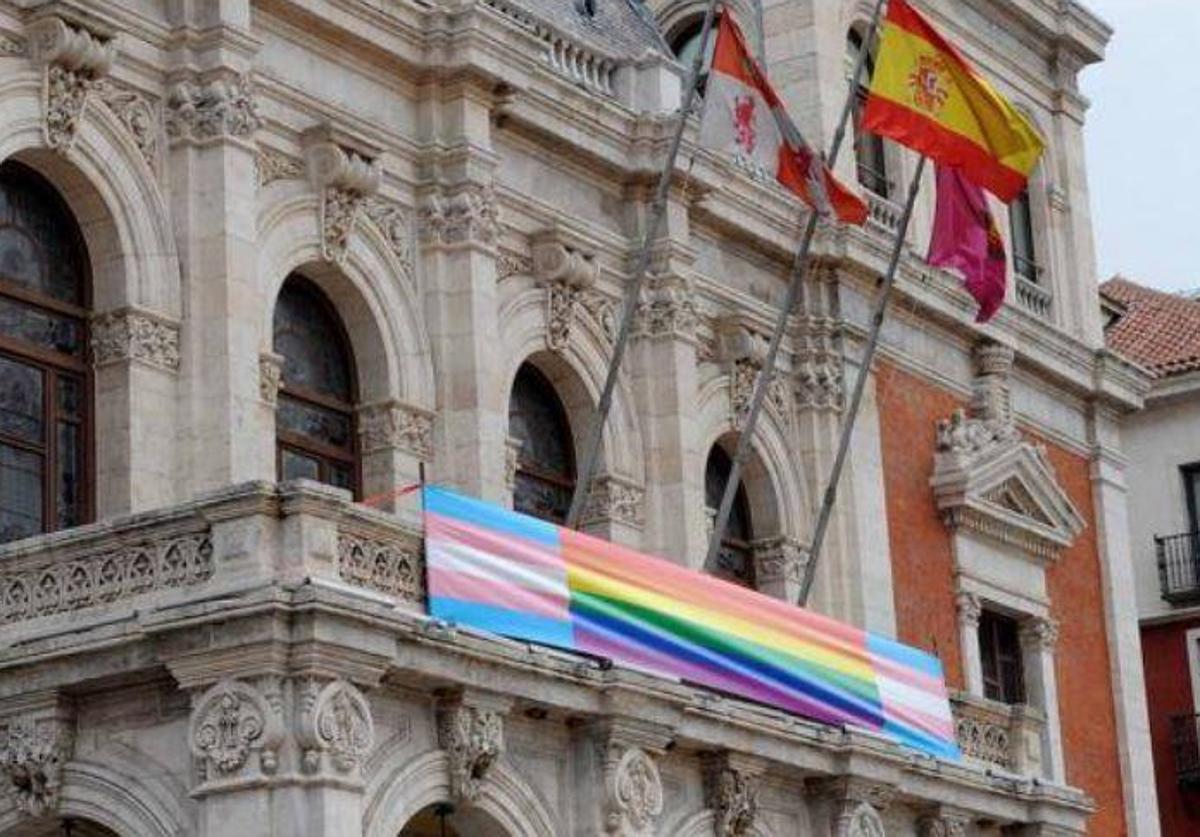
x=965 y=239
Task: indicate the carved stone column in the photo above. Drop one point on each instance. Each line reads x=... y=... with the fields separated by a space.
x=37 y=738
x=731 y=785
x=1038 y=637
x=969 y=611
x=470 y=728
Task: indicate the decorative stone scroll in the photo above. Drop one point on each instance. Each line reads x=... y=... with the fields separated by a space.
x=75 y=60
x=389 y=567
x=473 y=738
x=565 y=271
x=345 y=175
x=130 y=334
x=467 y=214
x=110 y=576
x=222 y=107
x=394 y=425
x=335 y=728
x=731 y=791
x=231 y=722
x=34 y=746
x=635 y=794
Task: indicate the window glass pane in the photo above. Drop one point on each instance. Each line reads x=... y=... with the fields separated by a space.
x=1024 y=257
x=20 y=261
x=341 y=476
x=541 y=498
x=1191 y=478
x=40 y=327
x=20 y=493
x=70 y=475
x=21 y=402
x=317 y=423
x=1000 y=655
x=70 y=397
x=296 y=466
x=311 y=342
x=735 y=561
x=536 y=417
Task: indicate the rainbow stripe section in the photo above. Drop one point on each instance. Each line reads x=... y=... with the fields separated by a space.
x=509 y=574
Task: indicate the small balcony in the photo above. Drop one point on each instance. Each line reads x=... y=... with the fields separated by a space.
x=999 y=735
x=1185 y=743
x=1033 y=297
x=1179 y=567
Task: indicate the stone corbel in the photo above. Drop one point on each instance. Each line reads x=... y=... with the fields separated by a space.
x=633 y=797
x=731 y=784
x=346 y=172
x=334 y=727
x=222 y=107
x=470 y=727
x=743 y=353
x=393 y=425
x=231 y=722
x=37 y=737
x=855 y=805
x=75 y=58
x=944 y=822
x=460 y=215
x=565 y=271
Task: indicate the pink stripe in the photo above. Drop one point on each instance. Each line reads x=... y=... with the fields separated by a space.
x=523 y=551
x=456 y=585
x=939 y=727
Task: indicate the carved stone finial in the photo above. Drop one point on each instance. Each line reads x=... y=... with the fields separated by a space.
x=34 y=746
x=229 y=722
x=473 y=738
x=222 y=107
x=335 y=726
x=75 y=60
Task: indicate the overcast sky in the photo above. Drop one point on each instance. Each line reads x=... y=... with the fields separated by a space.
x=1143 y=142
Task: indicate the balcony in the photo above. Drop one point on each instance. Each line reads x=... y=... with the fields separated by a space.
x=998 y=735
x=1179 y=567
x=1034 y=298
x=1184 y=741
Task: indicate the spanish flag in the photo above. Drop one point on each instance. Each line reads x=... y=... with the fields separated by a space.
x=926 y=96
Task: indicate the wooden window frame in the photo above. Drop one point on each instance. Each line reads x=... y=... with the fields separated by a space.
x=993 y=657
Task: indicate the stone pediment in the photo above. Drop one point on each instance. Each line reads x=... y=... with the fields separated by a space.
x=990 y=480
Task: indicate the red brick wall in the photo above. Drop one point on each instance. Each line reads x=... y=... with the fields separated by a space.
x=923 y=577
x=1169 y=692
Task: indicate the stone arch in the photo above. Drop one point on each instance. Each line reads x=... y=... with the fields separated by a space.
x=374 y=298
x=404 y=786
x=113 y=193
x=790 y=513
x=674 y=16
x=704 y=824
x=112 y=794
x=578 y=372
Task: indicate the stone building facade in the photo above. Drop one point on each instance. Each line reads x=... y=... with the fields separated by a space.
x=277 y=260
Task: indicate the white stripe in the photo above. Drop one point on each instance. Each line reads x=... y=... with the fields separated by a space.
x=458 y=557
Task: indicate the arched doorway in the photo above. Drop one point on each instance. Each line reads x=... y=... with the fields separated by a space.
x=66 y=827
x=442 y=820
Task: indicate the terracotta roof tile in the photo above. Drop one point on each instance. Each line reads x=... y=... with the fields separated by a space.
x=1160 y=331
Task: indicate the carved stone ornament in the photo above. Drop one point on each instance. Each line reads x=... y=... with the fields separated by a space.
x=229 y=723
x=779 y=565
x=744 y=353
x=510 y=263
x=75 y=60
x=132 y=335
x=970 y=609
x=989 y=480
x=34 y=747
x=613 y=499
x=667 y=310
x=221 y=108
x=12 y=46
x=732 y=794
x=345 y=178
x=392 y=425
x=473 y=738
x=818 y=366
x=943 y=825
x=138 y=114
x=393 y=222
x=270 y=376
x=335 y=726
x=385 y=566
x=857 y=819
x=271 y=165
x=467 y=215
x=1039 y=633
x=635 y=795
x=512 y=458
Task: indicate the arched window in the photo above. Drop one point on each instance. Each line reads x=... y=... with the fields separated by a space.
x=869 y=149
x=545 y=478
x=45 y=379
x=736 y=561
x=1020 y=217
x=685 y=43
x=314 y=419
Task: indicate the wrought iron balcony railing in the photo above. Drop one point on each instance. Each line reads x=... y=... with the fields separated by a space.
x=1185 y=743
x=1179 y=567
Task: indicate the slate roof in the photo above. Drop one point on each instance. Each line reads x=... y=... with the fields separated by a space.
x=1158 y=330
x=623 y=28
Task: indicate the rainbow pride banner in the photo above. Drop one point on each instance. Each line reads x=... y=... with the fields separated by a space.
x=506 y=573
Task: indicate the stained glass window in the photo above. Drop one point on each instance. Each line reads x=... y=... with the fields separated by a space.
x=736 y=560
x=44 y=377
x=545 y=476
x=314 y=419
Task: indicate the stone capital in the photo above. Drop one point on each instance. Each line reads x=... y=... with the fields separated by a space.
x=396 y=425
x=1039 y=633
x=471 y=731
x=37 y=738
x=213 y=109
x=970 y=609
x=460 y=215
x=130 y=334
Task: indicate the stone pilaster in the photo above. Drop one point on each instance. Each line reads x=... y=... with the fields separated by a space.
x=969 y=611
x=1038 y=637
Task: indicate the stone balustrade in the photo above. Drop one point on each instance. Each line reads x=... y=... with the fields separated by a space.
x=999 y=735
x=568 y=57
x=1034 y=298
x=882 y=214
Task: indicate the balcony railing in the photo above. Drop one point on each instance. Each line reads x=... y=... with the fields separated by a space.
x=1179 y=567
x=1008 y=737
x=1186 y=744
x=1033 y=297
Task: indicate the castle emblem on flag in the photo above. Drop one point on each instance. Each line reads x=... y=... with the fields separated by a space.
x=743 y=122
x=926 y=83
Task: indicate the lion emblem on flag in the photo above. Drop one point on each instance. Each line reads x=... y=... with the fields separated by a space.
x=925 y=82
x=743 y=123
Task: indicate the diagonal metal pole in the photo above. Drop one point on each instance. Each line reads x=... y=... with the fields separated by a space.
x=591 y=447
x=860 y=384
x=795 y=286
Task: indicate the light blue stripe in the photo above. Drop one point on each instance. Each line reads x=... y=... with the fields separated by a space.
x=905 y=655
x=510 y=623
x=922 y=741
x=448 y=503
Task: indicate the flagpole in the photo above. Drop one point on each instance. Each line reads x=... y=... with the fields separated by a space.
x=860 y=384
x=591 y=447
x=795 y=286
